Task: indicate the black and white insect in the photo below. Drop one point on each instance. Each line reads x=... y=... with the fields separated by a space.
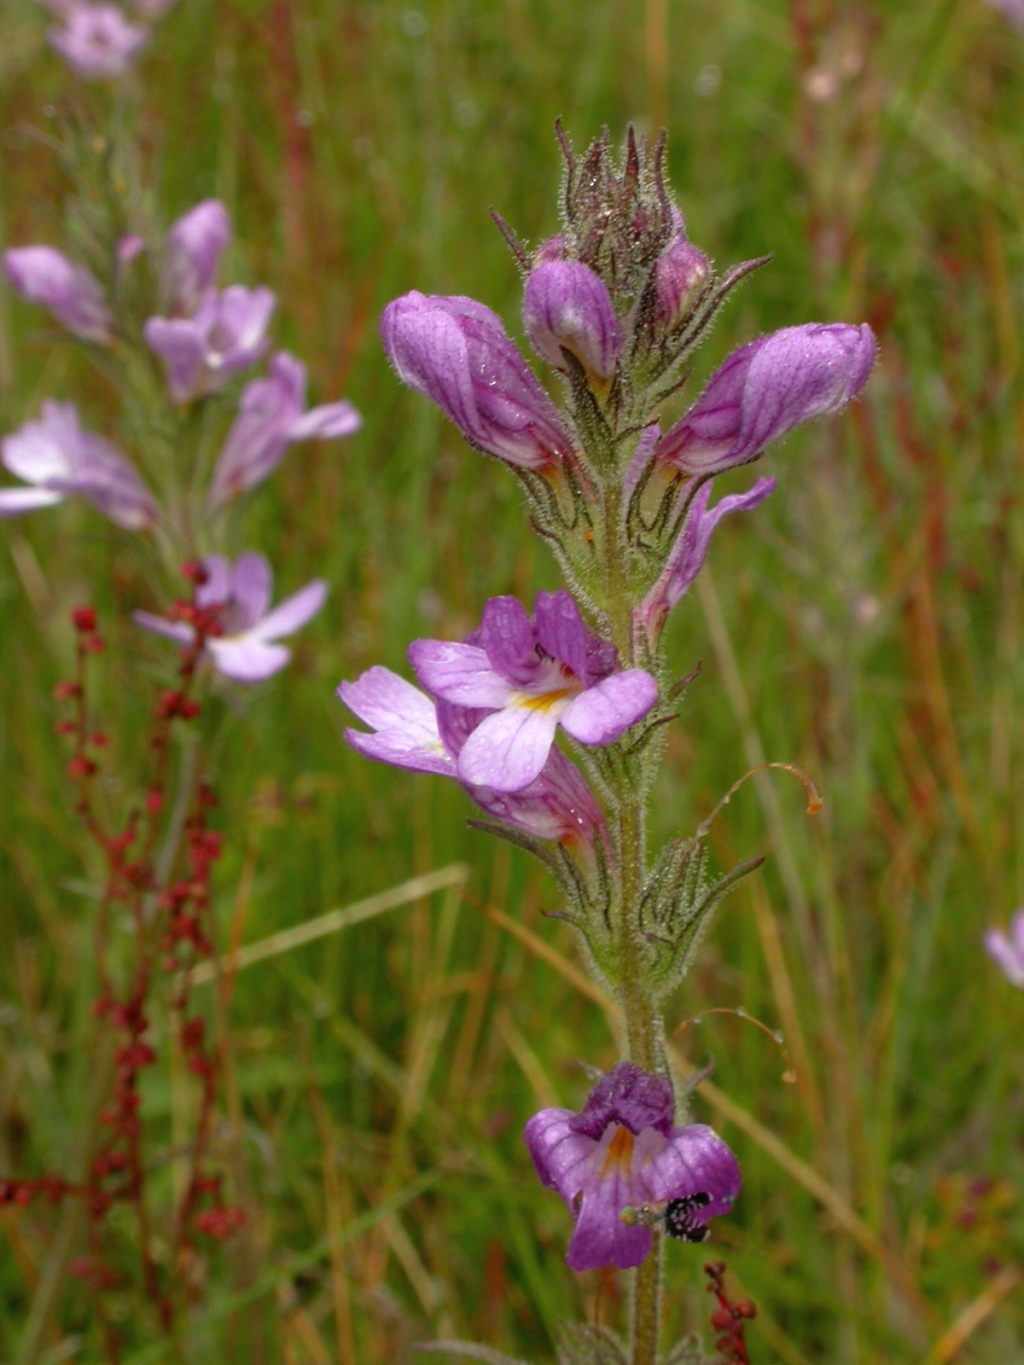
x=680 y=1222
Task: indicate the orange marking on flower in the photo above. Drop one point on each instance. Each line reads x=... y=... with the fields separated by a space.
x=620 y=1152
x=547 y=700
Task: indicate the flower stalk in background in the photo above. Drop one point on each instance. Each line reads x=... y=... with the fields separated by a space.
x=615 y=304
x=187 y=438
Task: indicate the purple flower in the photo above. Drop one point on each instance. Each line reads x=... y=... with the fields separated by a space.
x=58 y=458
x=532 y=675
x=679 y=275
x=44 y=275
x=1007 y=950
x=246 y=651
x=691 y=548
x=409 y=731
x=622 y=1151
x=272 y=414
x=193 y=249
x=226 y=334
x=765 y=389
x=129 y=247
x=457 y=352
x=567 y=306
x=1013 y=10
x=97 y=41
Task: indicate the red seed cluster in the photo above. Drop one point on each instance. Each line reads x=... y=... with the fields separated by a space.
x=171 y=935
x=729 y=1319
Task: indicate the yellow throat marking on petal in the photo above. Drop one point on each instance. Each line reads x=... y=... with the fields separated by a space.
x=547 y=701
x=620 y=1152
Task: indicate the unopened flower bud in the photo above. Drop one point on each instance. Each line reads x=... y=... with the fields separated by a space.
x=44 y=275
x=457 y=352
x=552 y=249
x=680 y=274
x=566 y=307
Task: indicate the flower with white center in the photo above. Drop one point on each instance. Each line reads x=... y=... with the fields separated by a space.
x=410 y=731
x=247 y=648
x=227 y=333
x=272 y=415
x=532 y=675
x=97 y=41
x=57 y=459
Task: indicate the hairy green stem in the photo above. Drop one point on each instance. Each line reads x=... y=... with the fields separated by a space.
x=641 y=1019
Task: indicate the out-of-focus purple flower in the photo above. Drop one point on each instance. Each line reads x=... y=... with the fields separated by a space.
x=272 y=415
x=193 y=249
x=679 y=275
x=247 y=650
x=226 y=334
x=1007 y=950
x=691 y=548
x=58 y=458
x=765 y=389
x=409 y=731
x=622 y=1151
x=97 y=41
x=1013 y=10
x=458 y=353
x=567 y=305
x=532 y=675
x=42 y=274
x=129 y=248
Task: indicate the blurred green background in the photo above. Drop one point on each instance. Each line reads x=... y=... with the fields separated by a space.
x=865 y=623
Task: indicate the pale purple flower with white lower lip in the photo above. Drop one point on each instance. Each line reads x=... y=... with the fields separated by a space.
x=457 y=352
x=566 y=305
x=57 y=458
x=97 y=41
x=533 y=675
x=765 y=389
x=690 y=551
x=193 y=248
x=1007 y=950
x=272 y=415
x=247 y=650
x=42 y=274
x=409 y=731
x=622 y=1151
x=227 y=333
